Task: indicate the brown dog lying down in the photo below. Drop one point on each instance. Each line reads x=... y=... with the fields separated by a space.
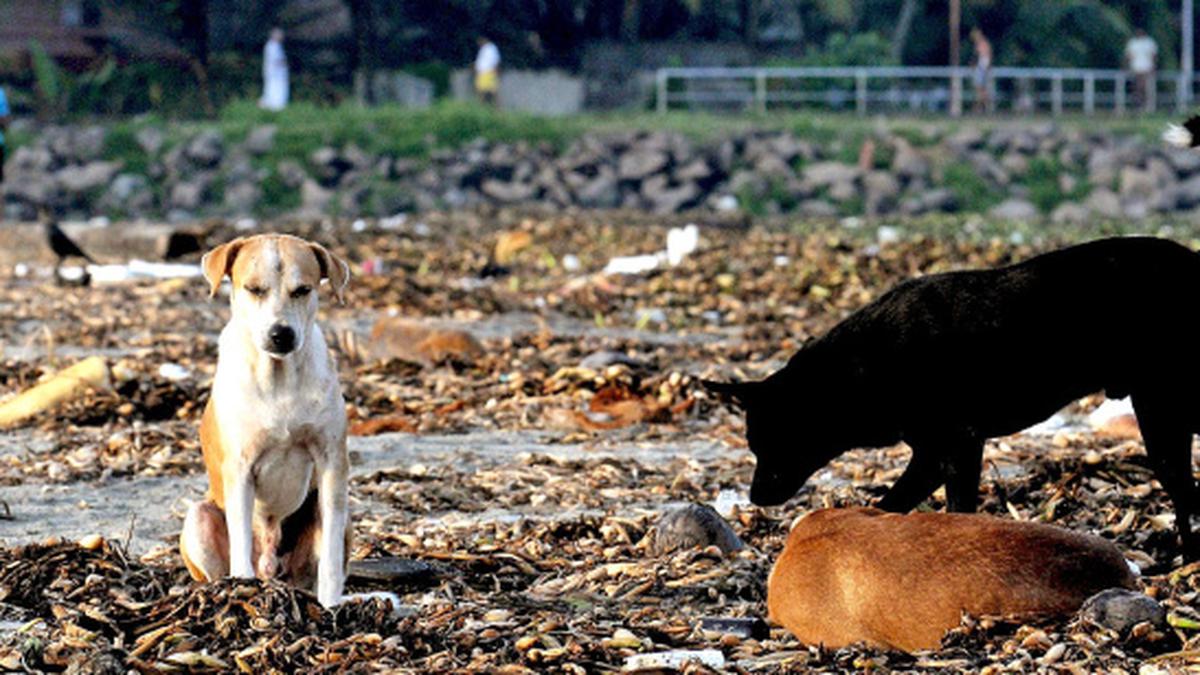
x=901 y=581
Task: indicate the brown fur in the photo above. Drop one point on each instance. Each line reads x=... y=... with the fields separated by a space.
x=901 y=581
x=400 y=338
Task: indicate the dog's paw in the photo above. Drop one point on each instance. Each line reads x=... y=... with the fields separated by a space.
x=399 y=609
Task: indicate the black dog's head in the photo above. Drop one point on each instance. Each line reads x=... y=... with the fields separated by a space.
x=787 y=432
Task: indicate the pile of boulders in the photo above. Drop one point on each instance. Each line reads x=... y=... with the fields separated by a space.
x=1013 y=172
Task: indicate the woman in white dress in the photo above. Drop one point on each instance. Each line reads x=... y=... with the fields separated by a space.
x=275 y=73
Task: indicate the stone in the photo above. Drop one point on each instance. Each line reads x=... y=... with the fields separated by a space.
x=31 y=158
x=241 y=197
x=640 y=164
x=150 y=139
x=291 y=173
x=205 y=149
x=1014 y=209
x=313 y=197
x=1102 y=166
x=1187 y=192
x=1137 y=183
x=1104 y=203
x=1070 y=213
x=1119 y=609
x=261 y=139
x=843 y=191
x=772 y=165
x=909 y=162
x=1185 y=161
x=1015 y=163
x=882 y=190
x=692 y=526
x=38 y=189
x=508 y=193
x=674 y=199
x=817 y=208
x=188 y=195
x=991 y=170
x=600 y=360
x=83 y=178
x=599 y=192
x=821 y=174
x=1067 y=183
x=966 y=138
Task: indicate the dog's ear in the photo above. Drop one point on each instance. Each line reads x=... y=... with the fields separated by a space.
x=737 y=393
x=219 y=262
x=334 y=269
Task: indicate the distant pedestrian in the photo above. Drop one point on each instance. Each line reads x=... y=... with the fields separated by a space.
x=982 y=73
x=1141 y=55
x=487 y=71
x=275 y=73
x=4 y=120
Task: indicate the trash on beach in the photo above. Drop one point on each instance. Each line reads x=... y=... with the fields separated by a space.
x=67 y=384
x=674 y=660
x=1115 y=419
x=681 y=242
x=142 y=269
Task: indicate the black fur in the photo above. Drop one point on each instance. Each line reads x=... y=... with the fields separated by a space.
x=1193 y=127
x=946 y=361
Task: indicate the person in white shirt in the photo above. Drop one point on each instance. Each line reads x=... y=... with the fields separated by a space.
x=275 y=73
x=487 y=71
x=1141 y=52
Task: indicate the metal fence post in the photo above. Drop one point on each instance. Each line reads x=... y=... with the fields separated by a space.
x=1119 y=93
x=1089 y=94
x=760 y=91
x=1056 y=95
x=860 y=91
x=661 y=88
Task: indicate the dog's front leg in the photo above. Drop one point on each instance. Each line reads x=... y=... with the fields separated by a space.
x=239 y=509
x=334 y=503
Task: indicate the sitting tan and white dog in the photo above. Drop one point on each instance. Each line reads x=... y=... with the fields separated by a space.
x=274 y=431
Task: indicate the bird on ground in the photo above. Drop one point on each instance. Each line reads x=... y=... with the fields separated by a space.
x=62 y=245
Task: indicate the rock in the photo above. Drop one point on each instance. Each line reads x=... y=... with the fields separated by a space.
x=508 y=193
x=909 y=162
x=129 y=192
x=772 y=165
x=31 y=158
x=936 y=200
x=1015 y=163
x=150 y=139
x=205 y=149
x=987 y=167
x=694 y=525
x=599 y=192
x=261 y=139
x=397 y=571
x=1119 y=610
x=1014 y=209
x=603 y=359
x=882 y=190
x=1104 y=203
x=313 y=197
x=673 y=199
x=1067 y=183
x=637 y=165
x=1187 y=192
x=291 y=173
x=38 y=189
x=1070 y=213
x=843 y=191
x=745 y=182
x=1137 y=183
x=822 y=174
x=242 y=196
x=87 y=177
x=817 y=208
x=1185 y=161
x=188 y=195
x=1102 y=166
x=967 y=138
x=327 y=165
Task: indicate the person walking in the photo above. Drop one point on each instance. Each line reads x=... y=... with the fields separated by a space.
x=982 y=72
x=1141 y=54
x=275 y=73
x=4 y=119
x=487 y=71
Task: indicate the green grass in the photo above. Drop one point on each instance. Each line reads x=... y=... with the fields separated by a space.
x=971 y=190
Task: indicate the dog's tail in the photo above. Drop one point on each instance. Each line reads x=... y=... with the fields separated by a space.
x=1186 y=135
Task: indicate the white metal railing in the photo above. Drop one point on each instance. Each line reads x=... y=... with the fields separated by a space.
x=916 y=88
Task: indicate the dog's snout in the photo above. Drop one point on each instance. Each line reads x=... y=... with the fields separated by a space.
x=281 y=339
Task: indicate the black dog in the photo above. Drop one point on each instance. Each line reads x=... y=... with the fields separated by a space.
x=947 y=361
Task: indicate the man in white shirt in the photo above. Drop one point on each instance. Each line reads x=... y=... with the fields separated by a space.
x=487 y=71
x=275 y=73
x=1141 y=52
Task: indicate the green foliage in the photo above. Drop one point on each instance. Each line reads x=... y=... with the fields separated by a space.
x=969 y=187
x=121 y=145
x=437 y=72
x=48 y=79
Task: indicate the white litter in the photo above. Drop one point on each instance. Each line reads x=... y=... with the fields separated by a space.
x=1056 y=423
x=1110 y=410
x=888 y=234
x=570 y=262
x=243 y=224
x=681 y=242
x=20 y=270
x=674 y=660
x=727 y=203
x=139 y=269
x=728 y=501
x=422 y=229
x=173 y=372
x=782 y=260
x=359 y=225
x=632 y=264
x=393 y=222
x=99 y=221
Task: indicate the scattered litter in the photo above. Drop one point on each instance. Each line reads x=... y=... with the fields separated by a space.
x=393 y=222
x=886 y=234
x=781 y=260
x=632 y=264
x=173 y=372
x=359 y=225
x=141 y=269
x=728 y=501
x=675 y=660
x=726 y=203
x=681 y=242
x=570 y=262
x=72 y=382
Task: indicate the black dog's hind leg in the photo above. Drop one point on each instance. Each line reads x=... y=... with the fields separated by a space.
x=920 y=478
x=961 y=465
x=1168 y=439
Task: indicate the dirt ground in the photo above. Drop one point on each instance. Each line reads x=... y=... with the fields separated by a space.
x=521 y=480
